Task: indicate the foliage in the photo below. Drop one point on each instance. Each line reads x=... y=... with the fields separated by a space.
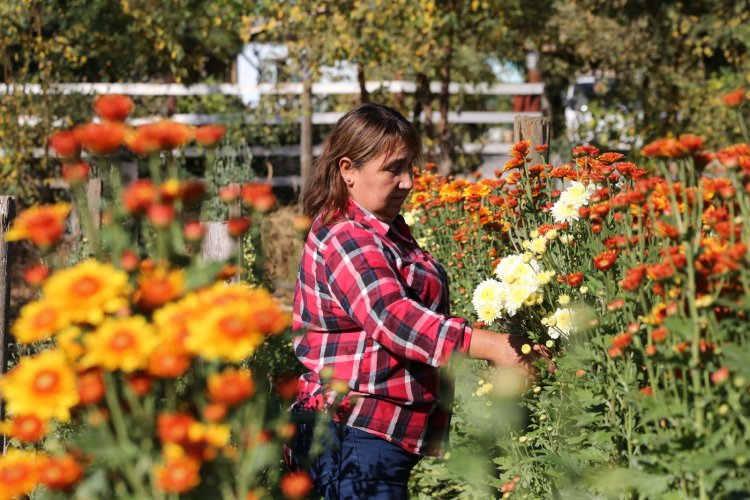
x=649 y=398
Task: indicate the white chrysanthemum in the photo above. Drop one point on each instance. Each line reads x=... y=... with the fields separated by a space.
x=577 y=194
x=562 y=322
x=488 y=291
x=513 y=268
x=566 y=238
x=562 y=211
x=517 y=295
x=409 y=217
x=487 y=313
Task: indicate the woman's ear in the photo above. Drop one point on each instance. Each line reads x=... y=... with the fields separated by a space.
x=346 y=169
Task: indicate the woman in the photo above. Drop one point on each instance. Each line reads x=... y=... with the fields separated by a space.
x=374 y=309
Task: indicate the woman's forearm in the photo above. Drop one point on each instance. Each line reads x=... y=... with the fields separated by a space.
x=504 y=349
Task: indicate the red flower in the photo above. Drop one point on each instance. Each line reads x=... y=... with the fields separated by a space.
x=76 y=173
x=193 y=231
x=541 y=149
x=209 y=135
x=259 y=196
x=90 y=387
x=734 y=98
x=574 y=279
x=586 y=150
x=659 y=335
x=238 y=226
x=60 y=473
x=610 y=157
x=622 y=340
x=664 y=148
x=65 y=143
x=720 y=376
x=230 y=193
x=647 y=391
x=100 y=138
x=114 y=107
x=139 y=196
x=129 y=260
x=605 y=260
x=691 y=142
x=36 y=274
x=161 y=215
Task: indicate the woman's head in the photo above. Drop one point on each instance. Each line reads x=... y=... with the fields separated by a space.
x=368 y=155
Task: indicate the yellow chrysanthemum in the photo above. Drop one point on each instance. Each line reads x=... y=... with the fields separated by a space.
x=19 y=473
x=120 y=344
x=43 y=385
x=87 y=291
x=39 y=321
x=171 y=321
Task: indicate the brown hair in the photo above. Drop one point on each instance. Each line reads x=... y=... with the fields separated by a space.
x=362 y=134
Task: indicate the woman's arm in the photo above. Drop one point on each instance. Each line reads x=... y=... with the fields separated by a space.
x=504 y=349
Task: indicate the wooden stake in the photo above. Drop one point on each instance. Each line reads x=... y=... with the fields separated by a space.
x=7 y=214
x=534 y=129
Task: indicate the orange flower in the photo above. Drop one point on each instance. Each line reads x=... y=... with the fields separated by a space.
x=120 y=344
x=296 y=485
x=90 y=386
x=605 y=260
x=214 y=412
x=113 y=107
x=691 y=142
x=178 y=475
x=168 y=362
x=139 y=382
x=139 y=196
x=100 y=138
x=159 y=286
x=734 y=98
x=43 y=225
x=18 y=473
x=720 y=376
x=209 y=135
x=664 y=148
x=26 y=428
x=173 y=427
x=65 y=144
x=574 y=279
x=659 y=334
x=161 y=215
x=259 y=196
x=622 y=340
x=585 y=150
x=36 y=274
x=231 y=387
x=60 y=473
x=237 y=226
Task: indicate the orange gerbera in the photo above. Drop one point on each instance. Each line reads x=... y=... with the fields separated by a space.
x=100 y=138
x=90 y=386
x=209 y=135
x=76 y=173
x=120 y=344
x=25 y=428
x=43 y=225
x=734 y=98
x=43 y=385
x=65 y=144
x=174 y=427
x=259 y=196
x=113 y=107
x=667 y=147
x=159 y=286
x=88 y=290
x=171 y=322
x=39 y=321
x=168 y=362
x=231 y=386
x=163 y=135
x=18 y=473
x=60 y=473
x=296 y=485
x=178 y=475
x=139 y=196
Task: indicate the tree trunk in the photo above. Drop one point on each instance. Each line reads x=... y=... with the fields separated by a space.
x=363 y=95
x=306 y=154
x=445 y=163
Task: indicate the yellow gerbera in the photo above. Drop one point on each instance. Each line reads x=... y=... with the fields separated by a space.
x=89 y=290
x=120 y=344
x=43 y=385
x=42 y=225
x=171 y=321
x=228 y=333
x=39 y=321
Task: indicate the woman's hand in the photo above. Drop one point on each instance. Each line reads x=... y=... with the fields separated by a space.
x=505 y=350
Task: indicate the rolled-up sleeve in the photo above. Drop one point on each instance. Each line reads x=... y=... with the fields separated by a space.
x=364 y=280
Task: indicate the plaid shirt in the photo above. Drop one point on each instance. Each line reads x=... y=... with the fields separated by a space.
x=374 y=307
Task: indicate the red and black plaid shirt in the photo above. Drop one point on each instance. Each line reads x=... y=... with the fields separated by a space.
x=374 y=307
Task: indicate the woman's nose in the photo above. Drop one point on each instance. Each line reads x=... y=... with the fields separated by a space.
x=406 y=181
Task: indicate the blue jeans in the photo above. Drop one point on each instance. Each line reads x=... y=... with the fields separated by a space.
x=354 y=464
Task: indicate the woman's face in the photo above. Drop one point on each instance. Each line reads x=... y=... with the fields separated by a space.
x=382 y=184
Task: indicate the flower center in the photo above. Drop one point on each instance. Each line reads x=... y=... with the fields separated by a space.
x=45 y=318
x=46 y=380
x=232 y=326
x=122 y=341
x=86 y=286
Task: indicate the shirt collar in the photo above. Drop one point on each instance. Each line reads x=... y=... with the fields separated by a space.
x=358 y=213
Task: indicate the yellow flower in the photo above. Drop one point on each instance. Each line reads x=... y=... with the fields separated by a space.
x=120 y=344
x=69 y=341
x=43 y=225
x=43 y=385
x=87 y=291
x=39 y=321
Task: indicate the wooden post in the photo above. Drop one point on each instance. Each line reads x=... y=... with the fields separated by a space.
x=534 y=129
x=306 y=155
x=217 y=245
x=7 y=214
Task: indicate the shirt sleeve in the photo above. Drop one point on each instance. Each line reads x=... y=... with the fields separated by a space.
x=365 y=283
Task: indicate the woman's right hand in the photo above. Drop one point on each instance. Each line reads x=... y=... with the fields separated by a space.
x=505 y=350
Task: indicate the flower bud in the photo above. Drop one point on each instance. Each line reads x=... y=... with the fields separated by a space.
x=193 y=231
x=237 y=226
x=161 y=215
